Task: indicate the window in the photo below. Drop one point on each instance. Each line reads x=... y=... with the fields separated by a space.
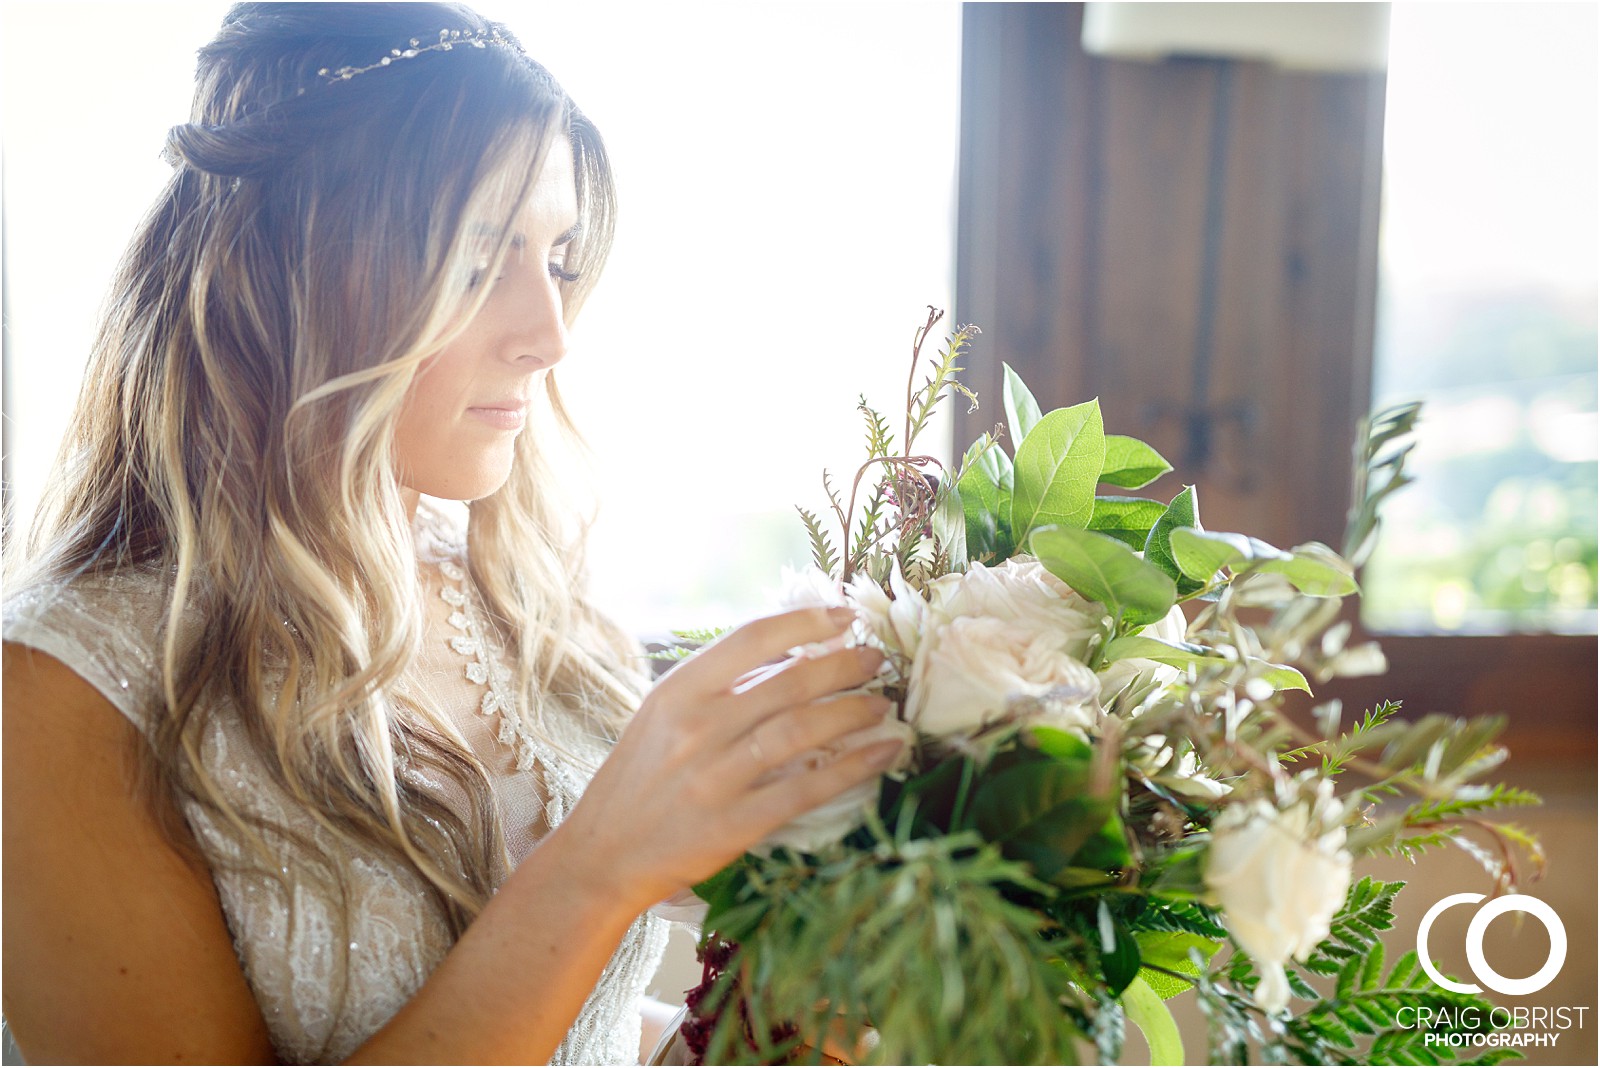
x=1487 y=312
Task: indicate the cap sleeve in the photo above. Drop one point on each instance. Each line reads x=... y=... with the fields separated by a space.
x=106 y=628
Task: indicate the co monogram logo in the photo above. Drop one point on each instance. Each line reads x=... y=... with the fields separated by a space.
x=1480 y=923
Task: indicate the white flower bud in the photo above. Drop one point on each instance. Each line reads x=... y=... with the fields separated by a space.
x=1279 y=876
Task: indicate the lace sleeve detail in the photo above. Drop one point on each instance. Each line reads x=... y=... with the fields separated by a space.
x=106 y=628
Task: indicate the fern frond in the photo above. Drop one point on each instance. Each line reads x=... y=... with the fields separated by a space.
x=942 y=379
x=1469 y=801
x=880 y=439
x=701 y=635
x=822 y=551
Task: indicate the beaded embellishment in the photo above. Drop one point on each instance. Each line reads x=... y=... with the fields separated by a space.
x=448 y=40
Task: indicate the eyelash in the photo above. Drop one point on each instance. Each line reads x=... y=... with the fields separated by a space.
x=475 y=279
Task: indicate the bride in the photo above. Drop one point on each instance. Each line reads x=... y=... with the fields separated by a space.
x=297 y=766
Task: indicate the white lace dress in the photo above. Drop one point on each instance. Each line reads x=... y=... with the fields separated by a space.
x=328 y=973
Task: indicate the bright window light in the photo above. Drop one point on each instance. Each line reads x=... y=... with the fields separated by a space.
x=1487 y=312
x=786 y=176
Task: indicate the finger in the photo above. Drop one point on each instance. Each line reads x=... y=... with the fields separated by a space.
x=755 y=675
x=780 y=739
x=759 y=642
x=804 y=680
x=780 y=801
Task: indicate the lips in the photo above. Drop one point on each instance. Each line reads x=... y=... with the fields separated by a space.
x=502 y=415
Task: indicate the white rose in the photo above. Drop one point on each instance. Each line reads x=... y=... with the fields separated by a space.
x=897 y=621
x=831 y=821
x=1279 y=877
x=811 y=587
x=808 y=587
x=1021 y=591
x=1143 y=678
x=968 y=672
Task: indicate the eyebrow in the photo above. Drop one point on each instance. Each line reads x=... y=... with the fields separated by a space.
x=520 y=240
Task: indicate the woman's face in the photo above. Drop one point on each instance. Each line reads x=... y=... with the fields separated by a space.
x=467 y=405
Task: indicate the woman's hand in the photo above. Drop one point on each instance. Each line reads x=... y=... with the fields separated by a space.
x=689 y=785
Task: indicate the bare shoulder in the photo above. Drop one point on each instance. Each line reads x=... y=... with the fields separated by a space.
x=116 y=946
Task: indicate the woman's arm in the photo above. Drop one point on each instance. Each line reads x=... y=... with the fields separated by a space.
x=116 y=949
x=115 y=945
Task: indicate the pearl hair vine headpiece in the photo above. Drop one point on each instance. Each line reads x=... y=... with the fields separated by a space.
x=448 y=39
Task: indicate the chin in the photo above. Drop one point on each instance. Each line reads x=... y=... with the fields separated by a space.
x=463 y=485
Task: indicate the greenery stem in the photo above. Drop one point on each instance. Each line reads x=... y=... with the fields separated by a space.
x=1150 y=1014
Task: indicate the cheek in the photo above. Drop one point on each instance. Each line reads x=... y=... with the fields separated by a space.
x=431 y=400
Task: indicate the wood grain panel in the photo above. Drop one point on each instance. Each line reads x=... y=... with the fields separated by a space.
x=1088 y=189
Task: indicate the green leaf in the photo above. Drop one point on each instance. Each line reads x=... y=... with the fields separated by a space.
x=950 y=525
x=1372 y=967
x=1315 y=570
x=722 y=892
x=1041 y=812
x=1022 y=411
x=1056 y=467
x=985 y=487
x=1130 y=463
x=1200 y=554
x=1150 y=1015
x=1169 y=950
x=1106 y=849
x=1119 y=953
x=1103 y=569
x=1282 y=676
x=932 y=795
x=1061 y=745
x=1184 y=511
x=1128 y=519
x=1173 y=654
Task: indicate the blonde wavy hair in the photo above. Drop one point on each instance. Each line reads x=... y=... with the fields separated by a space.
x=312 y=248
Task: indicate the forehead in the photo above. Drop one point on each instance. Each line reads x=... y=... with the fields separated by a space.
x=555 y=191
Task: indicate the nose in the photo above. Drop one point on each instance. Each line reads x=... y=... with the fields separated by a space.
x=539 y=340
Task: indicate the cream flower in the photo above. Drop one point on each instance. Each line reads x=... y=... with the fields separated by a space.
x=971 y=671
x=811 y=587
x=897 y=622
x=1279 y=876
x=808 y=587
x=1022 y=592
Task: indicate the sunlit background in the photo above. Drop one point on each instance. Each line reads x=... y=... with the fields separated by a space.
x=787 y=175
x=787 y=179
x=1487 y=313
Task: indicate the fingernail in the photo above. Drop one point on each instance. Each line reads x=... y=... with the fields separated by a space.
x=842 y=615
x=870 y=658
x=882 y=705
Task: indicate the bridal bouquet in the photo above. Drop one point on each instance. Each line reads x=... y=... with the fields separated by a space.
x=1107 y=801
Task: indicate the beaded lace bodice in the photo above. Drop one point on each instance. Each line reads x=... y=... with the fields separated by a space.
x=328 y=970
